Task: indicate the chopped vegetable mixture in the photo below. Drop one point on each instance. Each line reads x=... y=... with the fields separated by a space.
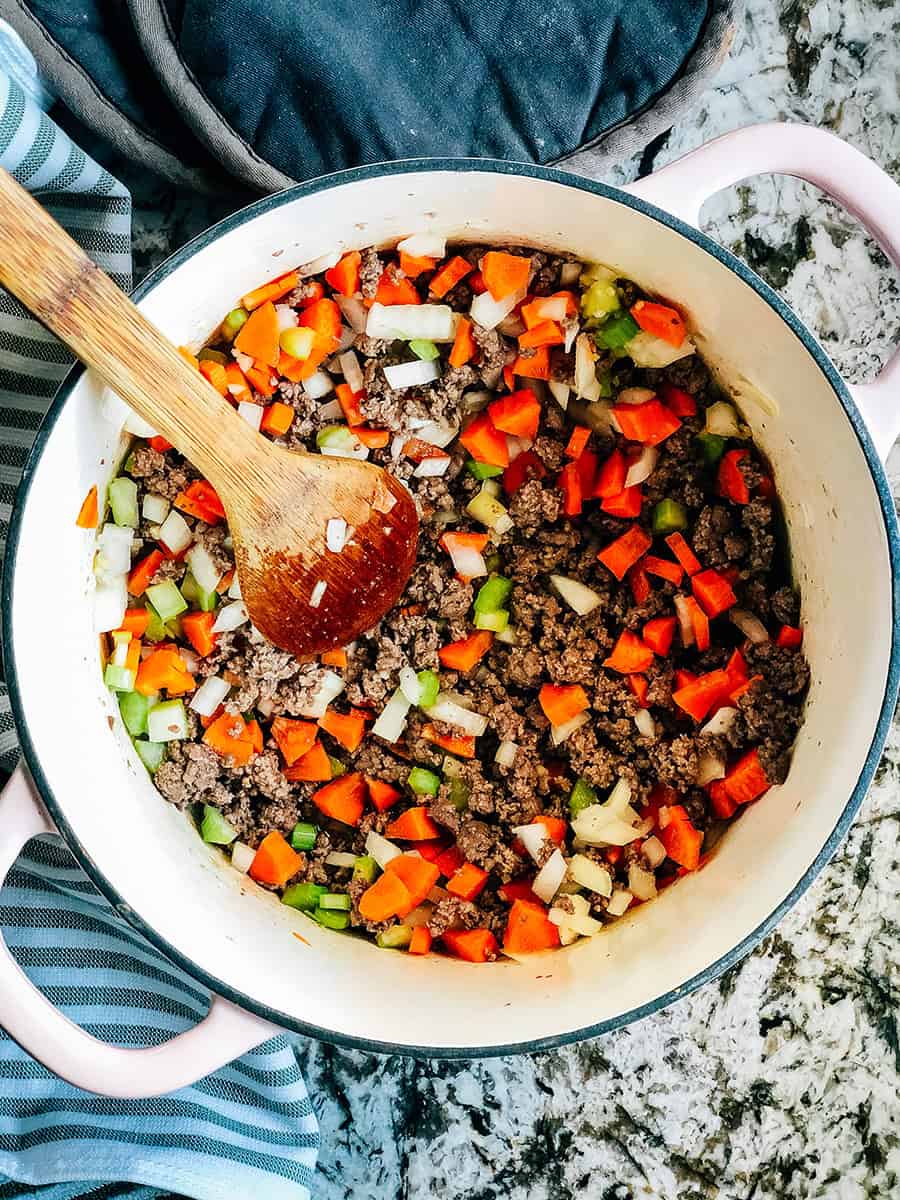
x=597 y=661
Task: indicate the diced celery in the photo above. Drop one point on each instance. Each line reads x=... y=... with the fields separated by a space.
x=304 y=836
x=604 y=379
x=156 y=630
x=167 y=722
x=134 y=708
x=207 y=354
x=120 y=679
x=336 y=901
x=488 y=510
x=151 y=754
x=711 y=447
x=493 y=594
x=365 y=868
x=166 y=599
x=215 y=829
x=495 y=621
x=482 y=470
x=233 y=323
x=192 y=592
x=304 y=896
x=341 y=442
x=616 y=331
x=423 y=782
x=332 y=920
x=507 y=635
x=423 y=349
x=174 y=629
x=128 y=464
x=600 y=299
x=493 y=562
x=581 y=796
x=668 y=516
x=337 y=767
x=459 y=794
x=122 y=493
x=396 y=938
x=429 y=686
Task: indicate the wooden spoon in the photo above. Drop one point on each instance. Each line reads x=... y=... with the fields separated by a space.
x=278 y=502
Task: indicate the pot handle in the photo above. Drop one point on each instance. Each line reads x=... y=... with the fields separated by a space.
x=821 y=159
x=30 y=1019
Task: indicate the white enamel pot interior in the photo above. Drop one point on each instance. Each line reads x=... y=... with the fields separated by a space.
x=147 y=857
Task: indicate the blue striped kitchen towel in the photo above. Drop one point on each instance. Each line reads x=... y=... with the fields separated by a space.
x=249 y=1129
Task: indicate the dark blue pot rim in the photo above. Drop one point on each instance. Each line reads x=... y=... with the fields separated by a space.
x=867 y=771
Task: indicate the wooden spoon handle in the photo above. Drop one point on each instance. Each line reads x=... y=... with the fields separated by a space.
x=67 y=292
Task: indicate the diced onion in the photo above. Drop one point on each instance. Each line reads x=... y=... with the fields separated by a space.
x=335 y=534
x=346 y=338
x=428 y=468
x=424 y=245
x=466 y=560
x=722 y=420
x=577 y=595
x=323 y=263
x=532 y=838
x=643 y=467
x=649 y=351
x=318 y=385
x=654 y=852
x=412 y=374
x=354 y=311
x=488 y=312
x=749 y=625
x=251 y=413
x=430 y=322
x=646 y=726
x=587 y=385
x=329 y=689
x=155 y=508
x=315 y=596
x=551 y=308
x=685 y=623
x=437 y=433
x=590 y=875
x=230 y=616
x=137 y=425
x=242 y=856
x=560 y=392
x=175 y=533
x=569 y=272
x=549 y=877
x=287 y=317
x=409 y=685
x=506 y=754
x=451 y=713
x=618 y=903
x=559 y=733
x=473 y=402
x=720 y=722
x=114 y=545
x=351 y=370
x=110 y=602
x=486 y=508
x=209 y=695
x=635 y=395
x=203 y=569
x=381 y=849
x=392 y=719
x=244 y=361
x=234 y=591
x=419 y=916
x=641 y=883
x=331 y=411
x=571 y=332
x=340 y=858
x=710 y=767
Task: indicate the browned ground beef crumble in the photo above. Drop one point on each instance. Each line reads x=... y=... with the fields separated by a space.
x=552 y=644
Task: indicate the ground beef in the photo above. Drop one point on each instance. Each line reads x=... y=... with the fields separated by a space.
x=494 y=349
x=370 y=272
x=159 y=474
x=453 y=913
x=192 y=773
x=535 y=505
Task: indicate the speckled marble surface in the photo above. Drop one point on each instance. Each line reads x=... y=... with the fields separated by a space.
x=781 y=1080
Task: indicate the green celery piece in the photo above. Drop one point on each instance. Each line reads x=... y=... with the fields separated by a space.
x=365 y=868
x=711 y=446
x=233 y=323
x=151 y=754
x=332 y=920
x=495 y=621
x=156 y=630
x=396 y=938
x=174 y=629
x=430 y=685
x=668 y=516
x=166 y=599
x=493 y=562
x=120 y=679
x=600 y=299
x=459 y=794
x=167 y=722
x=304 y=836
x=194 y=594
x=207 y=354
x=128 y=464
x=424 y=782
x=581 y=796
x=616 y=331
x=482 y=470
x=604 y=378
x=304 y=896
x=335 y=901
x=424 y=349
x=215 y=829
x=337 y=767
x=134 y=707
x=493 y=594
x=122 y=494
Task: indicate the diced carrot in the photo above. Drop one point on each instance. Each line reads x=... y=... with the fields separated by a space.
x=517 y=889
x=562 y=702
x=419 y=877
x=420 y=942
x=197 y=627
x=660 y=320
x=313 y=290
x=578 y=441
x=699 y=622
x=485 y=442
x=135 y=622
x=472 y=945
x=200 y=499
x=629 y=655
x=626 y=504
x=396 y=291
x=342 y=799
x=570 y=486
x=713 y=592
x=277 y=419
x=260 y=377
x=639 y=583
x=509 y=377
x=625 y=551
x=556 y=827
x=325 y=318
x=746 y=780
x=789 y=636
x=256 y=736
x=415 y=825
x=673 y=572
x=744 y=686
x=271 y=291
x=683 y=677
x=518 y=414
x=324 y=345
x=214 y=373
x=349 y=402
x=375 y=439
x=534 y=313
x=523 y=467
x=464 y=654
x=468 y=882
x=722 y=804
x=534 y=365
x=460 y=540
x=312 y=767
x=505 y=273
x=464 y=344
x=228 y=735
x=387 y=897
x=732 y=484
x=529 y=929
x=237 y=390
x=382 y=795
x=343 y=277
x=276 y=861
x=766 y=487
x=449 y=276
x=133 y=655
x=547 y=333
x=258 y=336
x=459 y=744
x=640 y=686
x=431 y=851
x=698 y=697
x=736 y=669
x=683 y=553
x=333 y=658
x=163 y=668
x=611 y=477
x=649 y=423
x=681 y=840
x=348 y=729
x=89 y=513
x=414 y=265
x=681 y=403
x=159 y=444
x=418 y=450
x=658 y=634
x=449 y=861
x=141 y=574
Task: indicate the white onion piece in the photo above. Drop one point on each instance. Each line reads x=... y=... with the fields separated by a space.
x=573 y=923
x=230 y=616
x=749 y=625
x=392 y=719
x=635 y=395
x=351 y=370
x=532 y=838
x=110 y=602
x=340 y=858
x=244 y=361
x=576 y=594
x=424 y=245
x=155 y=508
x=437 y=894
x=329 y=689
x=571 y=331
x=287 y=317
x=488 y=312
x=551 y=308
x=549 y=877
x=419 y=916
x=591 y=875
x=721 y=722
x=324 y=262
x=409 y=685
x=175 y=533
x=346 y=338
x=354 y=312
x=608 y=832
x=331 y=411
x=335 y=534
x=646 y=726
x=649 y=351
x=506 y=754
x=429 y=468
x=654 y=852
x=722 y=420
x=137 y=425
x=234 y=591
x=618 y=801
x=458 y=698
x=709 y=767
x=318 y=385
x=242 y=856
x=560 y=392
x=685 y=624
x=466 y=560
x=587 y=385
x=190 y=658
x=559 y=733
x=203 y=569
x=618 y=903
x=643 y=468
x=473 y=402
x=411 y=374
x=430 y=322
x=437 y=433
x=251 y=413
x=451 y=713
x=209 y=695
x=381 y=849
x=114 y=545
x=641 y=883
x=569 y=272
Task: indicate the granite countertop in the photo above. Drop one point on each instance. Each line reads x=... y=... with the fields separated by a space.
x=780 y=1080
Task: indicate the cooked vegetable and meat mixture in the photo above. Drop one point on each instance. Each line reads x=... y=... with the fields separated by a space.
x=596 y=663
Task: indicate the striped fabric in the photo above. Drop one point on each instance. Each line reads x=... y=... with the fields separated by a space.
x=250 y=1128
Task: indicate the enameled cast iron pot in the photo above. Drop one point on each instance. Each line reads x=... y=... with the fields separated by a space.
x=826 y=441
